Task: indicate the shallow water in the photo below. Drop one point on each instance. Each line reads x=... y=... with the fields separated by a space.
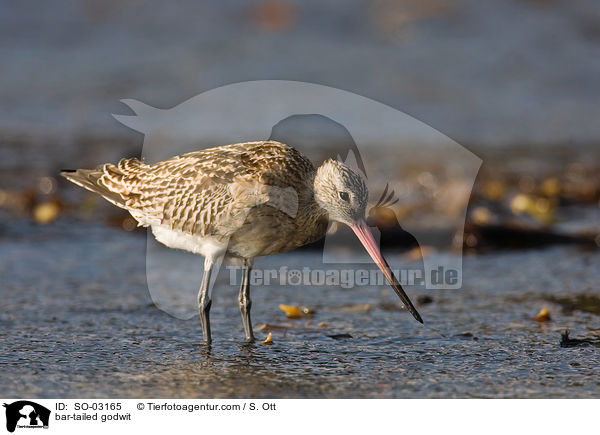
x=77 y=320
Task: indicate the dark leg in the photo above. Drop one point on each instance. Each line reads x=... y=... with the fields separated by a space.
x=204 y=300
x=245 y=302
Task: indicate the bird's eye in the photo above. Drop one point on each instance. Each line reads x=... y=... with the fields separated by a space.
x=344 y=196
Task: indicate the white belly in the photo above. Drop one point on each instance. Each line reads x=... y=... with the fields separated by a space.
x=206 y=246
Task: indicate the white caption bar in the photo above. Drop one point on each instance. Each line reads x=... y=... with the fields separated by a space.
x=267 y=416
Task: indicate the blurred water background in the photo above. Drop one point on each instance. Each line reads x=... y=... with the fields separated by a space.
x=515 y=82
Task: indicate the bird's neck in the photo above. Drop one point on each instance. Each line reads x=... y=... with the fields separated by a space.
x=314 y=211
x=311 y=215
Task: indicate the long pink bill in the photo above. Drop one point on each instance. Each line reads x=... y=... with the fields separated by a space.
x=365 y=236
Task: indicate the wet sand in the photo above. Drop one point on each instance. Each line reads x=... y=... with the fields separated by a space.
x=79 y=322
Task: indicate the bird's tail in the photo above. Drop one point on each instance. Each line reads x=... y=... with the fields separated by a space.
x=89 y=179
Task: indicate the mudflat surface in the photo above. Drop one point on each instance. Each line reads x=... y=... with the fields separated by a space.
x=77 y=320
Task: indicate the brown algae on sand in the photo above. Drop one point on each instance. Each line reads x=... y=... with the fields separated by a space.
x=543 y=316
x=296 y=312
x=269 y=339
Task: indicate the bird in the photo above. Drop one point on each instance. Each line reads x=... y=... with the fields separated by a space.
x=239 y=201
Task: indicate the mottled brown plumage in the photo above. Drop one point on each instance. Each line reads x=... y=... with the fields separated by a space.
x=243 y=200
x=257 y=190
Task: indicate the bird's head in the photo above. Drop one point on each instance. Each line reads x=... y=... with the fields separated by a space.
x=343 y=194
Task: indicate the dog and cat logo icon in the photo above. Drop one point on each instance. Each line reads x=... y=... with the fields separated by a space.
x=26 y=414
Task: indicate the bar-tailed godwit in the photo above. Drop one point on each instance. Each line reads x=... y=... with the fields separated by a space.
x=244 y=200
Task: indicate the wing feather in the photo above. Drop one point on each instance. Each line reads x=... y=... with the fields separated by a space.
x=207 y=192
